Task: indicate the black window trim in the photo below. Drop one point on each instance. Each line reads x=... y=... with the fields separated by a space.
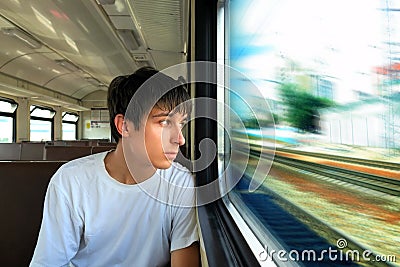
x=70 y=113
x=42 y=108
x=223 y=242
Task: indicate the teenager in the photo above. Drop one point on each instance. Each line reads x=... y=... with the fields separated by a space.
x=132 y=206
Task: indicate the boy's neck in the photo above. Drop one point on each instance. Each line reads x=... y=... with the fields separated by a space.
x=117 y=168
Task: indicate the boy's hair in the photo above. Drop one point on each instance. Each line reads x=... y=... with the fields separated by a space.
x=160 y=91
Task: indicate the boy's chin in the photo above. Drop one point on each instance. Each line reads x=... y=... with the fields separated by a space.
x=163 y=165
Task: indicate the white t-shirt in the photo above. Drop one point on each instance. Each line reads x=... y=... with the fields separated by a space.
x=90 y=219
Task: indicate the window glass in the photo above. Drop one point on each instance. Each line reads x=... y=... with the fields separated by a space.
x=41 y=130
x=41 y=123
x=6 y=135
x=69 y=125
x=68 y=131
x=327 y=77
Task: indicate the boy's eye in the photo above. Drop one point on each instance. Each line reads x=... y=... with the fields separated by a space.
x=165 y=122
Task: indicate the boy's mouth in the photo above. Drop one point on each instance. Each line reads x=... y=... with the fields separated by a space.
x=171 y=155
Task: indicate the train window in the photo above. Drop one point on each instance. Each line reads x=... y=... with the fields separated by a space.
x=8 y=109
x=41 y=123
x=314 y=85
x=69 y=126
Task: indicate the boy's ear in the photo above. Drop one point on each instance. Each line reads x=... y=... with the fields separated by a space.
x=120 y=124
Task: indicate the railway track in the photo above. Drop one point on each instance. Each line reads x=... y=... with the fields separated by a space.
x=366 y=162
x=360 y=161
x=374 y=182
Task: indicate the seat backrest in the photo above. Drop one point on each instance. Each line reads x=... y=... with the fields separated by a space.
x=57 y=143
x=98 y=149
x=102 y=143
x=32 y=151
x=10 y=151
x=77 y=143
x=23 y=187
x=66 y=152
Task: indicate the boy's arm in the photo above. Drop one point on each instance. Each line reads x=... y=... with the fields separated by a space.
x=186 y=257
x=184 y=235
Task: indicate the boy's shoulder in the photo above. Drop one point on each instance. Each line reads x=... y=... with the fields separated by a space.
x=177 y=169
x=74 y=171
x=87 y=161
x=177 y=174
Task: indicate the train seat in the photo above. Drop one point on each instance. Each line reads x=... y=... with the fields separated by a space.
x=22 y=189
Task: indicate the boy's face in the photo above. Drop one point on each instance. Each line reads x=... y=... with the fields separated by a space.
x=162 y=135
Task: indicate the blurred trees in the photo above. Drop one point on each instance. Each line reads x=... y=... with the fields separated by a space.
x=302 y=108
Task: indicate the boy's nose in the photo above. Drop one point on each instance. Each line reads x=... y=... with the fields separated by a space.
x=178 y=138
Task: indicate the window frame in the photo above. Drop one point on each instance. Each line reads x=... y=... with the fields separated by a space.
x=223 y=240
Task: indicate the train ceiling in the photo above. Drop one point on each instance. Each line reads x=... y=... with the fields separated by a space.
x=61 y=52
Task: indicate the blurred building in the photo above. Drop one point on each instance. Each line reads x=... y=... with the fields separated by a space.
x=387 y=79
x=373 y=122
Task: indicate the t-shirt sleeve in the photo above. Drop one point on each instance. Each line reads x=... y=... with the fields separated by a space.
x=60 y=231
x=184 y=223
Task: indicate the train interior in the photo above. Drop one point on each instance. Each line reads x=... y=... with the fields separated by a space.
x=305 y=152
